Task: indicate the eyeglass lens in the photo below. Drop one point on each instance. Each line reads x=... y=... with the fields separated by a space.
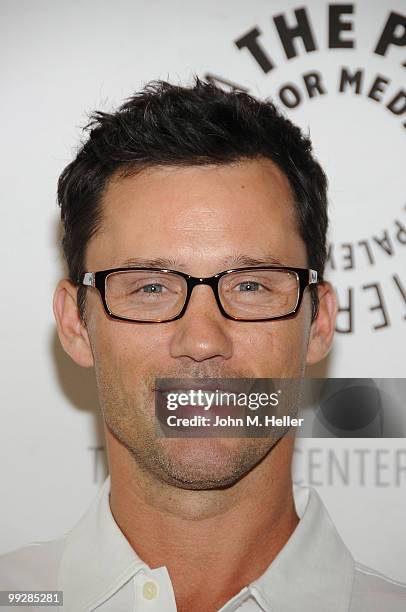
x=146 y=295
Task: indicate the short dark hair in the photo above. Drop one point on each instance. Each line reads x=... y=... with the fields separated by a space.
x=166 y=124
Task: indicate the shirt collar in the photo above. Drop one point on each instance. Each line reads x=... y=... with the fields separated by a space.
x=314 y=570
x=97 y=558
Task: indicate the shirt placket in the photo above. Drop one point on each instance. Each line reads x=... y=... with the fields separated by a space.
x=153 y=591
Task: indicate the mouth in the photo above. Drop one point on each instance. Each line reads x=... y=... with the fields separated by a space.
x=187 y=385
x=198 y=398
x=196 y=402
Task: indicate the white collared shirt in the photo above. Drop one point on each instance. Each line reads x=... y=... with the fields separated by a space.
x=97 y=569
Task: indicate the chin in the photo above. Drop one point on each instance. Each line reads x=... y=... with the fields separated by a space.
x=207 y=463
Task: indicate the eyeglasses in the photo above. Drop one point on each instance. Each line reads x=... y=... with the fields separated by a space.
x=154 y=295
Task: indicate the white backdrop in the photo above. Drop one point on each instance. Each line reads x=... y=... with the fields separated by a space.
x=60 y=60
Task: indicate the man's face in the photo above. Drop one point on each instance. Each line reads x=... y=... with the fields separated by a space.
x=198 y=220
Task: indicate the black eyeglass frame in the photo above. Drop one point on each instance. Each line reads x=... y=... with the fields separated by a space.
x=306 y=277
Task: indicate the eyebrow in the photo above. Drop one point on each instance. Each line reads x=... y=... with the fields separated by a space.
x=234 y=261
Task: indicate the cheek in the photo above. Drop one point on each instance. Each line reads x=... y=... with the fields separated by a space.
x=276 y=349
x=125 y=360
x=125 y=349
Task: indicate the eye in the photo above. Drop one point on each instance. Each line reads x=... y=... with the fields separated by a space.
x=248 y=286
x=152 y=288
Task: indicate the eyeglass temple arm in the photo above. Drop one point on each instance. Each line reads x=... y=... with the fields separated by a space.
x=88 y=279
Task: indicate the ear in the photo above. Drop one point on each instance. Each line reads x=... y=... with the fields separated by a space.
x=322 y=329
x=72 y=331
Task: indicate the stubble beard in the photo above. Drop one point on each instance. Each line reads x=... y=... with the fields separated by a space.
x=188 y=463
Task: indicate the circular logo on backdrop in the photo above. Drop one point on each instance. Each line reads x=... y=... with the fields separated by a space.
x=342 y=82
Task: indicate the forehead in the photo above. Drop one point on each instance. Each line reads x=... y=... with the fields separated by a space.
x=199 y=214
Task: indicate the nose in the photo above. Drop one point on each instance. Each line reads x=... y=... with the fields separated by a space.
x=202 y=333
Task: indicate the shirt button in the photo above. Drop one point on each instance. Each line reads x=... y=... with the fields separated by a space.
x=150 y=590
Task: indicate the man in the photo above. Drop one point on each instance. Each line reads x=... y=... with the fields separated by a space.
x=197 y=181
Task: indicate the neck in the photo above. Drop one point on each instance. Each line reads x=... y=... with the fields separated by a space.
x=236 y=532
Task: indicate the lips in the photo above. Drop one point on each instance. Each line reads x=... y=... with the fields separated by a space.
x=183 y=385
x=199 y=405
x=203 y=398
